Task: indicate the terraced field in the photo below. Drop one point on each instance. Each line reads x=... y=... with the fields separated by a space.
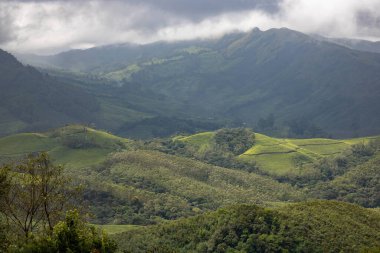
x=280 y=156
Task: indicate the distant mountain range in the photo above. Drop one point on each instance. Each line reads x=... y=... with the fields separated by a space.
x=309 y=86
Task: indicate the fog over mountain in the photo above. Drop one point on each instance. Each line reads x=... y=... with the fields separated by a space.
x=51 y=26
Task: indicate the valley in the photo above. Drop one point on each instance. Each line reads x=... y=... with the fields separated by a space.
x=244 y=140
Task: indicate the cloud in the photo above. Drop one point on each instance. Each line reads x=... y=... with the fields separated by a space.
x=49 y=26
x=6 y=25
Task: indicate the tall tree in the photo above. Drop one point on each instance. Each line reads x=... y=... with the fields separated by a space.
x=39 y=193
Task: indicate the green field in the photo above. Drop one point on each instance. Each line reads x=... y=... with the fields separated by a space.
x=274 y=155
x=280 y=156
x=55 y=143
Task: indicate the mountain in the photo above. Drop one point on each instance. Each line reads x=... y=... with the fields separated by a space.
x=30 y=100
x=278 y=72
x=308 y=86
x=361 y=45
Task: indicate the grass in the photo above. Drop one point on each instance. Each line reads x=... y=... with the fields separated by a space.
x=202 y=141
x=19 y=145
x=280 y=156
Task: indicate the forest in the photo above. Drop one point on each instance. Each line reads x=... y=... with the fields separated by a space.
x=187 y=193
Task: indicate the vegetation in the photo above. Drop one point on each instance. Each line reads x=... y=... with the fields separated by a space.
x=37 y=195
x=137 y=184
x=144 y=187
x=74 y=146
x=318 y=226
x=354 y=177
x=70 y=235
x=241 y=79
x=34 y=198
x=31 y=100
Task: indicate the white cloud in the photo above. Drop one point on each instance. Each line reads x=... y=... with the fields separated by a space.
x=51 y=26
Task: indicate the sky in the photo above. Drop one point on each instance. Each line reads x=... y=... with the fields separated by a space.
x=51 y=26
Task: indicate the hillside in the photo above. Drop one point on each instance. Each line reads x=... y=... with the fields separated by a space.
x=319 y=226
x=36 y=101
x=141 y=183
x=361 y=45
x=278 y=156
x=360 y=185
x=30 y=100
x=146 y=186
x=127 y=183
x=311 y=87
x=73 y=146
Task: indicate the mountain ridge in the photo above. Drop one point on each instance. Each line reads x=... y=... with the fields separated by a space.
x=310 y=86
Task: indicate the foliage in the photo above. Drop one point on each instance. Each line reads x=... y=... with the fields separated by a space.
x=317 y=226
x=218 y=148
x=4 y=188
x=37 y=197
x=236 y=141
x=143 y=187
x=70 y=235
x=360 y=180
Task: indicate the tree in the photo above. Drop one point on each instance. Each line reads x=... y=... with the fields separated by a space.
x=235 y=140
x=4 y=187
x=38 y=195
x=71 y=235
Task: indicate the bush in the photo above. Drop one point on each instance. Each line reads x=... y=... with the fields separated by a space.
x=71 y=235
x=235 y=140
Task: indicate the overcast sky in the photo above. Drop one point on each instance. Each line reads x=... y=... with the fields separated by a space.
x=50 y=26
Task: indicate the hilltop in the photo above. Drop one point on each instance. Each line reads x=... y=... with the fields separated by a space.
x=73 y=146
x=278 y=156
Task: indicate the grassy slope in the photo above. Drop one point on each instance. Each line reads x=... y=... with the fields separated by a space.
x=280 y=156
x=164 y=186
x=318 y=226
x=19 y=145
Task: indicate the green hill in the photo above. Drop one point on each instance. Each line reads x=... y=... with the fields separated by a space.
x=278 y=156
x=142 y=187
x=131 y=182
x=318 y=226
x=73 y=146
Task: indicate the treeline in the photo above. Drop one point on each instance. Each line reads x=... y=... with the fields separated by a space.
x=318 y=226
